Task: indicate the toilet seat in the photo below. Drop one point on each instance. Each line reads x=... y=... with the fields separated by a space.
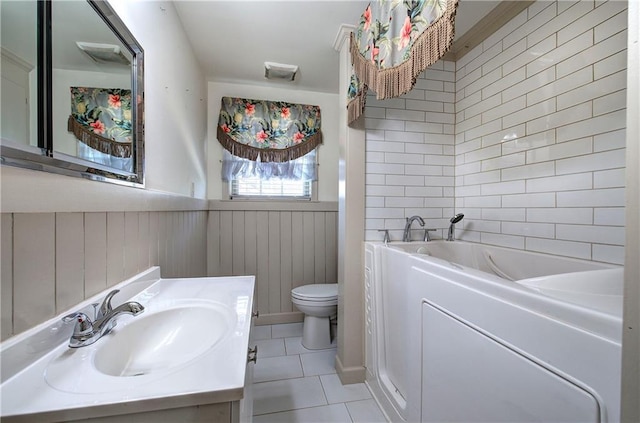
x=316 y=303
x=320 y=292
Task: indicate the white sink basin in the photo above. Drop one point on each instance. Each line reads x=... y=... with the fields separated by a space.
x=165 y=338
x=161 y=341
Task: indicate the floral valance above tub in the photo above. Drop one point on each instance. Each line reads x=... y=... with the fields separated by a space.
x=101 y=119
x=396 y=40
x=268 y=131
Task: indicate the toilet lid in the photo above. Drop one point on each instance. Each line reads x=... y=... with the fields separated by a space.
x=316 y=292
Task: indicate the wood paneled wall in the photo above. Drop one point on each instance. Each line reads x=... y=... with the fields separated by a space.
x=283 y=249
x=51 y=261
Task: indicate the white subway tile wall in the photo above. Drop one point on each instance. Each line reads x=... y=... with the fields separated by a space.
x=533 y=152
x=554 y=166
x=410 y=164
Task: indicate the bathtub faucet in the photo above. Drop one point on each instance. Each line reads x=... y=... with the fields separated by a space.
x=455 y=219
x=406 y=237
x=86 y=332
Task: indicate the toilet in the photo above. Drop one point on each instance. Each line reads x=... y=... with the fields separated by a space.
x=319 y=303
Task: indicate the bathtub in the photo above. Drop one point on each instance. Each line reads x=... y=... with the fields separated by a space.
x=454 y=328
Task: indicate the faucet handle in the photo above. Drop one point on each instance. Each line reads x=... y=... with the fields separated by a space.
x=106 y=308
x=427 y=237
x=96 y=311
x=386 y=237
x=83 y=326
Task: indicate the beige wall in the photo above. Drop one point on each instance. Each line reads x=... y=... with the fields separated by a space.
x=284 y=244
x=52 y=261
x=351 y=204
x=80 y=253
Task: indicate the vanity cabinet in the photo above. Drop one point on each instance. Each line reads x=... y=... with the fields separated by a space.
x=176 y=380
x=240 y=411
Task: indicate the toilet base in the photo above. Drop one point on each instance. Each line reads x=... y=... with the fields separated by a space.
x=316 y=333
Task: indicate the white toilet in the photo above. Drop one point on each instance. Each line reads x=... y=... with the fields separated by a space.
x=319 y=303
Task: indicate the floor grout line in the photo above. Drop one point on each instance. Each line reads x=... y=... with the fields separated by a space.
x=318 y=377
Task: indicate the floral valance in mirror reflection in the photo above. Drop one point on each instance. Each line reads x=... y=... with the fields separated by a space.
x=72 y=90
x=101 y=119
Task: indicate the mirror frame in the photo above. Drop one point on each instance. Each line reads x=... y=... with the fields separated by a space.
x=43 y=157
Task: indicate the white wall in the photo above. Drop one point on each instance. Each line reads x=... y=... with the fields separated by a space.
x=175 y=123
x=327 y=152
x=118 y=230
x=175 y=98
x=15 y=95
x=539 y=137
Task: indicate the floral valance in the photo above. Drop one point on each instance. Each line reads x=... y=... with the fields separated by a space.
x=268 y=131
x=101 y=119
x=394 y=43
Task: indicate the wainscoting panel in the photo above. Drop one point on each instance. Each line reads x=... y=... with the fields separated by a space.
x=51 y=261
x=282 y=248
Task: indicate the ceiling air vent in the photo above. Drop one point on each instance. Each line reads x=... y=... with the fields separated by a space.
x=280 y=71
x=104 y=53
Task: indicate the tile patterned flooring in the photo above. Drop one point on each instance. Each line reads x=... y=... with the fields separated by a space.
x=295 y=385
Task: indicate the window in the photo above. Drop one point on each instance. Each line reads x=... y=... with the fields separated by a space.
x=288 y=180
x=256 y=187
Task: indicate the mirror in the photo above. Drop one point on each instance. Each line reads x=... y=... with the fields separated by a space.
x=84 y=99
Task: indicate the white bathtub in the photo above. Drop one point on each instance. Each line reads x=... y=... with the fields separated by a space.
x=454 y=328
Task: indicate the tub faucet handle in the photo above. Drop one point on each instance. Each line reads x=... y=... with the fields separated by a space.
x=427 y=237
x=385 y=237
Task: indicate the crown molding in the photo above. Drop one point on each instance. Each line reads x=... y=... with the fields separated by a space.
x=343 y=35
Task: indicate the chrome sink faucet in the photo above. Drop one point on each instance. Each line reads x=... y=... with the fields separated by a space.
x=406 y=237
x=86 y=332
x=455 y=219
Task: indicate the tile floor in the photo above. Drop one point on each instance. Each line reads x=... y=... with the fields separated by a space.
x=295 y=385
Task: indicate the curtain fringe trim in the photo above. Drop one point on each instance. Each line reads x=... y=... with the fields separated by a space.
x=97 y=142
x=268 y=154
x=356 y=106
x=427 y=49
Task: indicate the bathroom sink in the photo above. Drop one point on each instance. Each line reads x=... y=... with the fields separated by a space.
x=188 y=348
x=166 y=337
x=161 y=341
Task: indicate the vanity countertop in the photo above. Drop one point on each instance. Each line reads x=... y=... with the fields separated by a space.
x=45 y=380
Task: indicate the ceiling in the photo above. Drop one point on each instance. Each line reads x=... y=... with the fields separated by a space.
x=233 y=39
